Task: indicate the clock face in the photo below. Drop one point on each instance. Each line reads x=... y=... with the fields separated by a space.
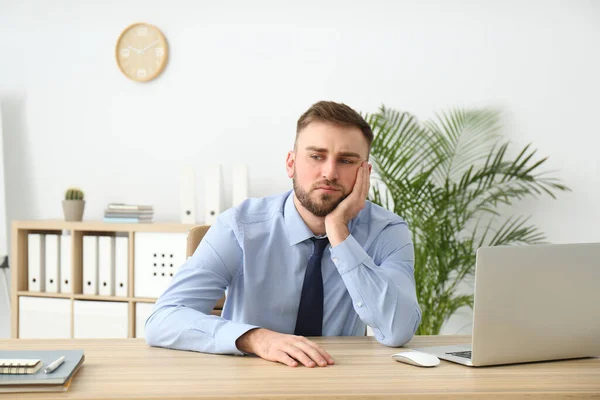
x=141 y=52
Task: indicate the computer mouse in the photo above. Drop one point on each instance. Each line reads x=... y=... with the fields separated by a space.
x=417 y=358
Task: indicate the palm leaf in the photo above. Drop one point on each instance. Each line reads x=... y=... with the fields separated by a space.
x=446 y=178
x=466 y=138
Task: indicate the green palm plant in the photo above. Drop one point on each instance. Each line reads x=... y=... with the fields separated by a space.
x=447 y=177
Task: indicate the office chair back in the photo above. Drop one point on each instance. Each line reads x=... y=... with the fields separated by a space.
x=194 y=238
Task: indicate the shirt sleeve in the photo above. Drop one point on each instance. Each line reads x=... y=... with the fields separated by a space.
x=382 y=287
x=181 y=317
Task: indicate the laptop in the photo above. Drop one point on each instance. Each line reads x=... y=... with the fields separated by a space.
x=532 y=303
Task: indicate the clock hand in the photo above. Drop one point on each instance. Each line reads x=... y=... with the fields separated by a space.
x=133 y=48
x=150 y=45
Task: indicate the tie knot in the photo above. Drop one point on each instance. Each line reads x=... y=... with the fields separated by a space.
x=320 y=244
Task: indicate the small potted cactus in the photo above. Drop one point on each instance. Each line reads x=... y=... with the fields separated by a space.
x=73 y=204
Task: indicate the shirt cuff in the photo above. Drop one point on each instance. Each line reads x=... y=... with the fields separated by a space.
x=348 y=255
x=230 y=333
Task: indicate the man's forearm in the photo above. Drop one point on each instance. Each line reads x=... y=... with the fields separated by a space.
x=392 y=312
x=184 y=328
x=383 y=295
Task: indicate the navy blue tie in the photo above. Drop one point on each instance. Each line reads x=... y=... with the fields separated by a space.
x=310 y=311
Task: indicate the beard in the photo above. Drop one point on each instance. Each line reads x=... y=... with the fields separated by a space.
x=325 y=204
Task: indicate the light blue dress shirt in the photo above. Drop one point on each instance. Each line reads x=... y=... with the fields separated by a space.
x=258 y=252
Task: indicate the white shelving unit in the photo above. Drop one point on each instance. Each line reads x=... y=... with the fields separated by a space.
x=88 y=315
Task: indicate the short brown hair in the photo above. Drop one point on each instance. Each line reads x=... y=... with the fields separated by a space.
x=337 y=113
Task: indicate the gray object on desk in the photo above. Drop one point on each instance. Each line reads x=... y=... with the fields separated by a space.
x=58 y=377
x=532 y=303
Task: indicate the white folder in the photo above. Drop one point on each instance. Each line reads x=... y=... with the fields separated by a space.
x=52 y=263
x=213 y=190
x=90 y=265
x=187 y=194
x=121 y=265
x=106 y=265
x=239 y=190
x=36 y=249
x=65 y=264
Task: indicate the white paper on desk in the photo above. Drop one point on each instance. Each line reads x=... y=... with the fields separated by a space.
x=52 y=263
x=65 y=264
x=121 y=265
x=106 y=265
x=90 y=265
x=36 y=249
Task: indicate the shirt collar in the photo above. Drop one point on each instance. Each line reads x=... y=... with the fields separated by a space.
x=296 y=227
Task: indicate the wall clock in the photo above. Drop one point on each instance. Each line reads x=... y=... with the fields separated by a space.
x=141 y=52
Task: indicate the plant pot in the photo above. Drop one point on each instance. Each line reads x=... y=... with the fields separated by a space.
x=73 y=209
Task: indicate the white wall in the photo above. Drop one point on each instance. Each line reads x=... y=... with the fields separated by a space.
x=241 y=72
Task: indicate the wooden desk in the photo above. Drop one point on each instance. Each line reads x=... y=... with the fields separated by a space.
x=129 y=369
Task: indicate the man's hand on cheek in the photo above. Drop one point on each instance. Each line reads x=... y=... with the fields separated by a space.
x=336 y=222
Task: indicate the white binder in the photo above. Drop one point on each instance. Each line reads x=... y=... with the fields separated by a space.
x=52 y=263
x=142 y=312
x=213 y=191
x=90 y=265
x=100 y=319
x=36 y=249
x=41 y=318
x=65 y=264
x=121 y=265
x=187 y=194
x=239 y=188
x=106 y=265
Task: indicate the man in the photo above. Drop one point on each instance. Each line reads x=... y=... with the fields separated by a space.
x=318 y=260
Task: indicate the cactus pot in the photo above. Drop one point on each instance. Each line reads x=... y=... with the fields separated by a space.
x=73 y=209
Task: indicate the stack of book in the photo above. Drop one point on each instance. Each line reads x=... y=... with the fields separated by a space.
x=38 y=370
x=128 y=213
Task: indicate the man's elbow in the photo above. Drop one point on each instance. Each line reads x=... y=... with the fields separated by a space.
x=152 y=331
x=397 y=339
x=401 y=335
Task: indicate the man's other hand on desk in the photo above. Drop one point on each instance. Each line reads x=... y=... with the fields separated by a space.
x=286 y=349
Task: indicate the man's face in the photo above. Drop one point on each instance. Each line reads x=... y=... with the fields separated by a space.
x=324 y=164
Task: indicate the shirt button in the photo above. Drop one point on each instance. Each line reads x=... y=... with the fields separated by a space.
x=335 y=260
x=359 y=304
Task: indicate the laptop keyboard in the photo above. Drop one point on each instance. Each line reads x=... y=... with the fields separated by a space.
x=463 y=354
